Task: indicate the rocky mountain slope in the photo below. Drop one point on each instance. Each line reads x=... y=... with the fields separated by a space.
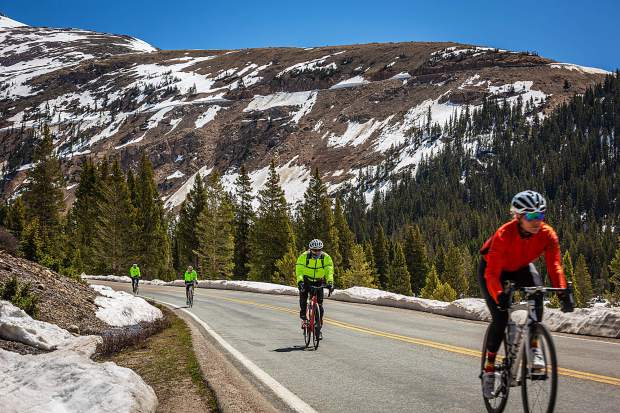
x=344 y=109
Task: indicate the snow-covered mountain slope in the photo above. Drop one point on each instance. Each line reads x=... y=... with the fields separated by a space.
x=344 y=109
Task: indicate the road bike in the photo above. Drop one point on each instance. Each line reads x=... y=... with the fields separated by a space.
x=312 y=324
x=134 y=285
x=189 y=293
x=513 y=364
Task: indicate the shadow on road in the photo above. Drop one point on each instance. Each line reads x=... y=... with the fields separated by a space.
x=289 y=349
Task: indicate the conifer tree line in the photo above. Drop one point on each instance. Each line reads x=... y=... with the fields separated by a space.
x=420 y=237
x=117 y=218
x=459 y=197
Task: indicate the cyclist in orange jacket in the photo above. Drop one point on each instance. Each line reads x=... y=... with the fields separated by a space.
x=508 y=256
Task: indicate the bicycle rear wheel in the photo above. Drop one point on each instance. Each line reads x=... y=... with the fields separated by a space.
x=539 y=389
x=502 y=376
x=317 y=326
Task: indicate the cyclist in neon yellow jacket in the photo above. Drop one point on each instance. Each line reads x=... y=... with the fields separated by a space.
x=191 y=278
x=134 y=273
x=315 y=268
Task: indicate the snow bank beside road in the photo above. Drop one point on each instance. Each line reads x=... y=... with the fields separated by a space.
x=16 y=325
x=602 y=322
x=119 y=309
x=65 y=379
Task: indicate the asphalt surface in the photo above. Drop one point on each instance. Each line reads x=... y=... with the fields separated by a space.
x=381 y=359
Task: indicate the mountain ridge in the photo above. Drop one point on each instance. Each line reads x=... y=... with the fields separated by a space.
x=344 y=109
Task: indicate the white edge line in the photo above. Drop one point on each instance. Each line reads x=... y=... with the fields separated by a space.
x=282 y=392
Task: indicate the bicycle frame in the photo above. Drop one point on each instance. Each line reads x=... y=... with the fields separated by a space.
x=520 y=347
x=312 y=300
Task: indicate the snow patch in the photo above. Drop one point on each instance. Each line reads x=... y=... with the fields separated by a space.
x=7 y=23
x=208 y=116
x=179 y=196
x=175 y=175
x=352 y=82
x=304 y=100
x=118 y=308
x=358 y=133
x=582 y=69
x=65 y=379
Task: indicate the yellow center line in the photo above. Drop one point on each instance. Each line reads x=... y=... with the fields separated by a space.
x=615 y=381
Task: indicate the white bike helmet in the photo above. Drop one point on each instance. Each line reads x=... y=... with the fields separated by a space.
x=528 y=201
x=316 y=244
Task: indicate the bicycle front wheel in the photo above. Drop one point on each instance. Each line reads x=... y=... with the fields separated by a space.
x=191 y=297
x=497 y=404
x=539 y=387
x=307 y=330
x=316 y=334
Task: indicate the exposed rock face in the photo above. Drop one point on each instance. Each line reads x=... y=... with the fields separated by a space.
x=343 y=109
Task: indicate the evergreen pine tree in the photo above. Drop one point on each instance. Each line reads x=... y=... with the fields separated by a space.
x=399 y=278
x=380 y=249
x=114 y=227
x=417 y=258
x=444 y=292
x=370 y=257
x=430 y=284
x=455 y=270
x=43 y=196
x=285 y=268
x=214 y=230
x=583 y=283
x=15 y=219
x=614 y=279
x=31 y=244
x=153 y=247
x=271 y=235
x=244 y=216
x=88 y=196
x=316 y=220
x=360 y=272
x=345 y=235
x=186 y=237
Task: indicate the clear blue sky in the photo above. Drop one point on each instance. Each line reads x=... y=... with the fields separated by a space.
x=582 y=32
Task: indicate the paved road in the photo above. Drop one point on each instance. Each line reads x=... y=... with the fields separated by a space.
x=381 y=359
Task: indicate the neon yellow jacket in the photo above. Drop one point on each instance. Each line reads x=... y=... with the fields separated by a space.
x=134 y=272
x=315 y=269
x=190 y=276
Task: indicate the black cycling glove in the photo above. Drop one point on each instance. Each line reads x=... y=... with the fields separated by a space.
x=567 y=303
x=503 y=301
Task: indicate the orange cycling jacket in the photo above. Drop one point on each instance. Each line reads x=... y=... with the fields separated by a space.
x=507 y=250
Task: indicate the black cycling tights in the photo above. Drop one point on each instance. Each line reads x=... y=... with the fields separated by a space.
x=523 y=277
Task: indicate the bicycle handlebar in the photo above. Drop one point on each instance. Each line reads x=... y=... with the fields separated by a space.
x=318 y=287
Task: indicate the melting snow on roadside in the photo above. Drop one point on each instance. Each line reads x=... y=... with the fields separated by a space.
x=118 y=308
x=604 y=322
x=65 y=379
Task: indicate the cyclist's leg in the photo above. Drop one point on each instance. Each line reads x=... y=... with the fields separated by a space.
x=303 y=303
x=499 y=318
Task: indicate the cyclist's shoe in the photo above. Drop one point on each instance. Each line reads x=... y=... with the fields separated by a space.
x=538 y=359
x=320 y=335
x=488 y=384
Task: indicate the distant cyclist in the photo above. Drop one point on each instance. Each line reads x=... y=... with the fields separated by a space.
x=508 y=256
x=191 y=279
x=314 y=267
x=134 y=273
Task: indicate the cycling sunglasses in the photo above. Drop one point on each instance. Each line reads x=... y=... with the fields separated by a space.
x=535 y=216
